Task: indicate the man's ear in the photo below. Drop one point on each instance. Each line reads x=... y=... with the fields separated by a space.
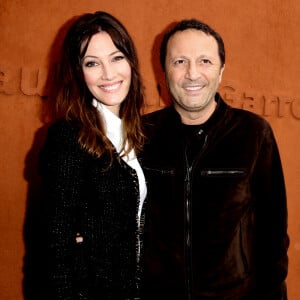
x=221 y=73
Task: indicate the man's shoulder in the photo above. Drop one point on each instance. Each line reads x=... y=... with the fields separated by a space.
x=248 y=116
x=158 y=115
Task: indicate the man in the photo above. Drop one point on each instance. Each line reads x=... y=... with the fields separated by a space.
x=216 y=216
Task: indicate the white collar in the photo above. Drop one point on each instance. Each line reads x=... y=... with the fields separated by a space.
x=113 y=127
x=113 y=124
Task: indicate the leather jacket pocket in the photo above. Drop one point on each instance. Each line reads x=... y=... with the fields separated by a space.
x=236 y=172
x=235 y=266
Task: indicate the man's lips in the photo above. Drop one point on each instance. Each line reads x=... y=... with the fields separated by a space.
x=193 y=88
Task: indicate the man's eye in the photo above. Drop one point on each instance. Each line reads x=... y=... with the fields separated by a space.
x=179 y=62
x=205 y=61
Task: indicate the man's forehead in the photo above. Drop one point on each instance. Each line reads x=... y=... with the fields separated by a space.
x=192 y=41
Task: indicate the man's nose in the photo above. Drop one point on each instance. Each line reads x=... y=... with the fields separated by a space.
x=192 y=71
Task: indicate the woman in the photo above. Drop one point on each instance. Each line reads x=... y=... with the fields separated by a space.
x=93 y=184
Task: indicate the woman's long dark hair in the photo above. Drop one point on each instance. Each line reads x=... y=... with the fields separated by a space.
x=74 y=100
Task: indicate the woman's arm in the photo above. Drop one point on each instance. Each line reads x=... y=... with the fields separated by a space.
x=61 y=166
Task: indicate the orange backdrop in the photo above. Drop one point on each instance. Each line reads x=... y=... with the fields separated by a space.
x=262 y=69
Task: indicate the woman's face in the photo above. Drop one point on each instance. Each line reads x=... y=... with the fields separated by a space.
x=106 y=71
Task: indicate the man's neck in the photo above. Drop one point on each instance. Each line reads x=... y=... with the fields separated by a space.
x=196 y=117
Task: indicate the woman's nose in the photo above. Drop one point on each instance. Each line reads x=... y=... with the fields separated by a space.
x=107 y=72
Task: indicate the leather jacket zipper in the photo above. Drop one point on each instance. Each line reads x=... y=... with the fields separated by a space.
x=188 y=259
x=188 y=209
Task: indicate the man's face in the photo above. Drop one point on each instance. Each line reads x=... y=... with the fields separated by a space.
x=193 y=71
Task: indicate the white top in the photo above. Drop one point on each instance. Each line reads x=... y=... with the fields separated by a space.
x=114 y=132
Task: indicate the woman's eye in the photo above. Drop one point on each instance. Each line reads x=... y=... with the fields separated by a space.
x=90 y=64
x=118 y=58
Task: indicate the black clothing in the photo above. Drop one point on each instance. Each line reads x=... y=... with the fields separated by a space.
x=91 y=216
x=216 y=215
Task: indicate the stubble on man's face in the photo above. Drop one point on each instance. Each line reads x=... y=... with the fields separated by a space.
x=193 y=72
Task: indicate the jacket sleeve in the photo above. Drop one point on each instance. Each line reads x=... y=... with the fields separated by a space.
x=61 y=167
x=270 y=219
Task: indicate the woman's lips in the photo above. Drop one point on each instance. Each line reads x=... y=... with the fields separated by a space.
x=111 y=87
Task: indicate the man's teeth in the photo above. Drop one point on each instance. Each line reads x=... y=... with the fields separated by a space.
x=193 y=88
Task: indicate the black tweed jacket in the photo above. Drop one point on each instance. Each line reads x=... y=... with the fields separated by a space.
x=91 y=221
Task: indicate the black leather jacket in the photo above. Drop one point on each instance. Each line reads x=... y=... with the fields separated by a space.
x=216 y=227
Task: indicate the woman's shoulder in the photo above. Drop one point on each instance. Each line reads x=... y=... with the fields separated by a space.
x=63 y=131
x=63 y=127
x=63 y=134
x=61 y=146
